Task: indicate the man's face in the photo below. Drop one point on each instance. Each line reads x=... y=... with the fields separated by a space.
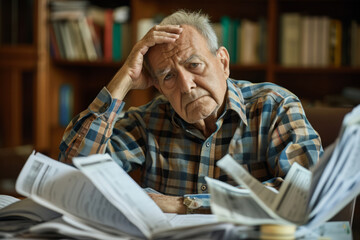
x=190 y=76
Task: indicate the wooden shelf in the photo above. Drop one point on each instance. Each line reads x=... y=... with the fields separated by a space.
x=24 y=56
x=89 y=64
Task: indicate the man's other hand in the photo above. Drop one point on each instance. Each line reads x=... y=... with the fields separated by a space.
x=169 y=204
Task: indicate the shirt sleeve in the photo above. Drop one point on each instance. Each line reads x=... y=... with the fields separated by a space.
x=292 y=139
x=92 y=131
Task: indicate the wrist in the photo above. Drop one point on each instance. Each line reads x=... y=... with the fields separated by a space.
x=197 y=203
x=120 y=85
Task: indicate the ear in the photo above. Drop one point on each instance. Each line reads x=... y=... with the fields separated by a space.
x=223 y=55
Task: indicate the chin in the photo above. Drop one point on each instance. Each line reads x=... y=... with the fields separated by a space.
x=197 y=117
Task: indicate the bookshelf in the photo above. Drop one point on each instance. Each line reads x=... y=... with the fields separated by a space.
x=39 y=124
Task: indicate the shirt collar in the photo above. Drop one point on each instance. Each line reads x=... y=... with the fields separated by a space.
x=234 y=101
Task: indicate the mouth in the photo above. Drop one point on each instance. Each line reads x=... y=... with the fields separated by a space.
x=192 y=101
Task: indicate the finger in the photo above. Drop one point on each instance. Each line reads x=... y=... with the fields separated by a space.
x=168 y=28
x=159 y=37
x=166 y=32
x=156 y=37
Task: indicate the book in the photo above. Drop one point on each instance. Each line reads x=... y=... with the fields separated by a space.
x=290 y=39
x=77 y=40
x=96 y=200
x=96 y=33
x=59 y=40
x=335 y=47
x=306 y=198
x=66 y=103
x=324 y=41
x=87 y=40
x=66 y=39
x=218 y=31
x=262 y=48
x=143 y=26
x=126 y=41
x=226 y=27
x=117 y=42
x=234 y=40
x=108 y=34
x=54 y=44
x=249 y=42
x=305 y=55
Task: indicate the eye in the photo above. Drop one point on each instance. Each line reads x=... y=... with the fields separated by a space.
x=168 y=76
x=194 y=65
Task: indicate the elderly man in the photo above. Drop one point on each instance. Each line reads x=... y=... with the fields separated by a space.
x=200 y=116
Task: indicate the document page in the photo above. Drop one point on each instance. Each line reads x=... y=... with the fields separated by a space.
x=236 y=205
x=6 y=200
x=73 y=229
x=66 y=190
x=292 y=200
x=182 y=220
x=123 y=192
x=340 y=180
x=264 y=196
x=27 y=209
x=194 y=226
x=290 y=204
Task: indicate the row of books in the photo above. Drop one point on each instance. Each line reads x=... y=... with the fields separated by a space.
x=79 y=31
x=245 y=39
x=318 y=41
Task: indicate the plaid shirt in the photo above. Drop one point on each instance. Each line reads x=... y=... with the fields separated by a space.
x=263 y=127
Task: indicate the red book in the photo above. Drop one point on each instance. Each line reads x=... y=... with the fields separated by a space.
x=108 y=32
x=54 y=44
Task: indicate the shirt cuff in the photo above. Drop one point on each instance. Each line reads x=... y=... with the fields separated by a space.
x=105 y=106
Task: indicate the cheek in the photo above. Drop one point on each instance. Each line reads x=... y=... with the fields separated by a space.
x=174 y=99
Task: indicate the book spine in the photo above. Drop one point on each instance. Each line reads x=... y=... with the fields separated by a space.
x=117 y=42
x=65 y=104
x=96 y=34
x=55 y=47
x=290 y=39
x=226 y=28
x=59 y=39
x=126 y=40
x=89 y=47
x=108 y=35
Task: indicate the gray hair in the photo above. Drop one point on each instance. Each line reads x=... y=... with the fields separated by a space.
x=199 y=21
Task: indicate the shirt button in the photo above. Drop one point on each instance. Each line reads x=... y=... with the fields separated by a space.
x=104 y=108
x=207 y=144
x=203 y=187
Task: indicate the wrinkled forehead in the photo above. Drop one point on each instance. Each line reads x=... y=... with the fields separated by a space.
x=190 y=40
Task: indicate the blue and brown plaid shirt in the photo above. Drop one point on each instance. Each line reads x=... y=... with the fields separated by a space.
x=263 y=127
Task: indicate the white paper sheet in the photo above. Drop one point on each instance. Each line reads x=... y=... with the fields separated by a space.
x=123 y=192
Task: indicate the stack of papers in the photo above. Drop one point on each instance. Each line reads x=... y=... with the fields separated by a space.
x=306 y=198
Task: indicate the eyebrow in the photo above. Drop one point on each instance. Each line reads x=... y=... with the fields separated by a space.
x=163 y=71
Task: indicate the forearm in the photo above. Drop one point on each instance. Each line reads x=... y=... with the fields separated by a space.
x=293 y=140
x=89 y=132
x=120 y=84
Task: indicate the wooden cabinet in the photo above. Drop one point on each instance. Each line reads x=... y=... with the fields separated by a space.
x=24 y=78
x=31 y=107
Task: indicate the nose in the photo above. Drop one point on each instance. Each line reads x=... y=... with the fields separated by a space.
x=185 y=81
